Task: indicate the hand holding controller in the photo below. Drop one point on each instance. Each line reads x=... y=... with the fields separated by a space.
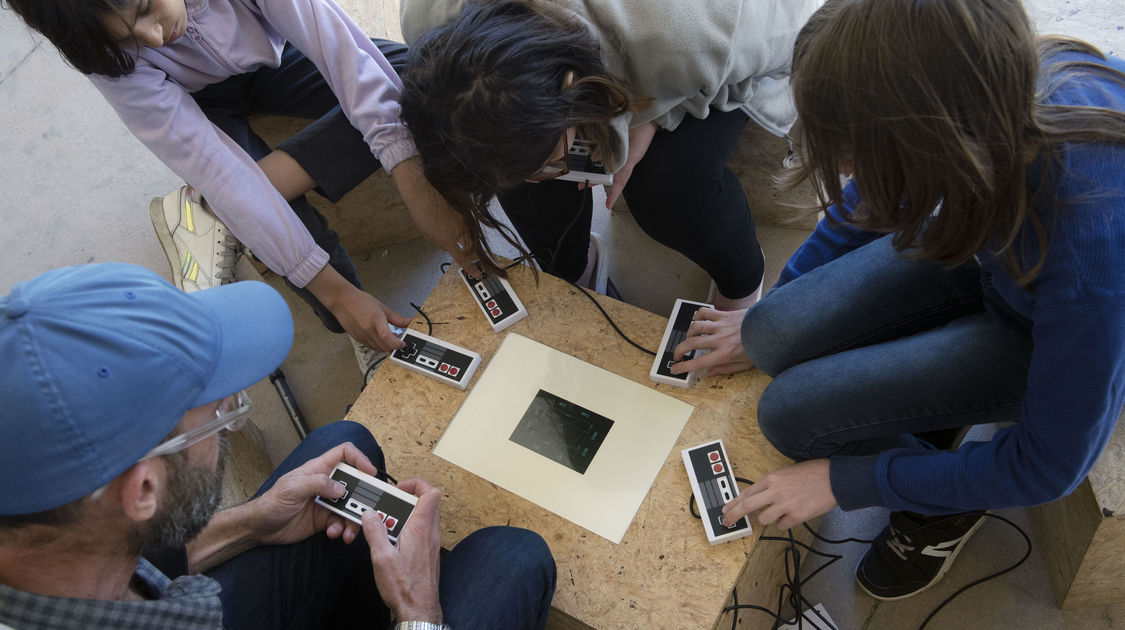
x=363 y=493
x=713 y=485
x=437 y=359
x=406 y=574
x=674 y=334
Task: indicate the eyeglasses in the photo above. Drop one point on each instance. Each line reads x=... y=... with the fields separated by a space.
x=554 y=168
x=230 y=415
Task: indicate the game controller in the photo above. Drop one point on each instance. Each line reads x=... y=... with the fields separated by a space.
x=496 y=299
x=714 y=485
x=363 y=492
x=674 y=334
x=437 y=359
x=584 y=165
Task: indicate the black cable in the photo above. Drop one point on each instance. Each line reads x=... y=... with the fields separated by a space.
x=371 y=368
x=836 y=542
x=558 y=244
x=519 y=261
x=1026 y=554
x=794 y=582
x=430 y=331
x=769 y=612
x=612 y=323
x=429 y=324
x=734 y=602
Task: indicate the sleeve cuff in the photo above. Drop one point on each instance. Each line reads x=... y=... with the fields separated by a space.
x=304 y=272
x=619 y=137
x=853 y=482
x=396 y=152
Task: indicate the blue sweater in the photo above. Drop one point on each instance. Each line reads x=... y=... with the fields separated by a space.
x=1076 y=382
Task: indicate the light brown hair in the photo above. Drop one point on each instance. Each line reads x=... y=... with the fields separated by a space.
x=934 y=102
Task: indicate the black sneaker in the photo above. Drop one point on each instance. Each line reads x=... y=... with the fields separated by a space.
x=913 y=552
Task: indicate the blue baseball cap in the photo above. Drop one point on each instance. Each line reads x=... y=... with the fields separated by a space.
x=100 y=363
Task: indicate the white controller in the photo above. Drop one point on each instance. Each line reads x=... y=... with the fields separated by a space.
x=674 y=334
x=714 y=485
x=496 y=299
x=437 y=359
x=363 y=492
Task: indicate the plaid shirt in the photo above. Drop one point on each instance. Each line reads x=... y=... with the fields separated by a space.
x=189 y=602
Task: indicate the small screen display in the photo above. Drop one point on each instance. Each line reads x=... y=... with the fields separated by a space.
x=562 y=431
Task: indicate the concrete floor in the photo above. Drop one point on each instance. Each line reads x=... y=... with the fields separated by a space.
x=77 y=186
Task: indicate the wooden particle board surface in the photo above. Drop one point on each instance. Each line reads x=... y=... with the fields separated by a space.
x=1082 y=534
x=663 y=573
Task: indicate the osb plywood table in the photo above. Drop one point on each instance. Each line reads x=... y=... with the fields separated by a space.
x=663 y=574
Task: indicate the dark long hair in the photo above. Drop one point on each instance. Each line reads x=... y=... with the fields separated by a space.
x=940 y=101
x=78 y=31
x=486 y=99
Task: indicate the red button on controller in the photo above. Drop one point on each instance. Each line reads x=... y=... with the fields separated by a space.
x=491 y=304
x=713 y=456
x=717 y=468
x=454 y=370
x=444 y=368
x=496 y=312
x=390 y=522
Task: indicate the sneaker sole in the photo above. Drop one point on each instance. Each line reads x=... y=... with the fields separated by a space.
x=945 y=566
x=156 y=215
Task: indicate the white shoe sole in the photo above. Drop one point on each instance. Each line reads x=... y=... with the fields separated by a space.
x=602 y=260
x=164 y=235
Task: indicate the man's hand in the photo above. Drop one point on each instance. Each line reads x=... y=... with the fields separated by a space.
x=788 y=496
x=720 y=332
x=639 y=139
x=407 y=573
x=362 y=316
x=442 y=226
x=286 y=513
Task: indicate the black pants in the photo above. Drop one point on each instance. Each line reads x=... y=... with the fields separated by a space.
x=681 y=193
x=330 y=149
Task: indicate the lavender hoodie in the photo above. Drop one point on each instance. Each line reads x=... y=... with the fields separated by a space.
x=229 y=37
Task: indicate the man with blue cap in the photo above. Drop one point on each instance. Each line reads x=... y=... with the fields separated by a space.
x=116 y=388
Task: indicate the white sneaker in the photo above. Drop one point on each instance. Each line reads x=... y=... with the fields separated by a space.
x=367 y=358
x=200 y=249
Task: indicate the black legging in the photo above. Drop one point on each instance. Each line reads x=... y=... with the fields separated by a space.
x=681 y=193
x=329 y=149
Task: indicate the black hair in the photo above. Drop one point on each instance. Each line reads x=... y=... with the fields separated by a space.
x=486 y=98
x=77 y=29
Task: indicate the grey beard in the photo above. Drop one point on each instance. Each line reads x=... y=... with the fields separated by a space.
x=193 y=497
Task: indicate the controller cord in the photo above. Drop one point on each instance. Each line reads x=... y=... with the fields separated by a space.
x=429 y=331
x=793 y=581
x=613 y=324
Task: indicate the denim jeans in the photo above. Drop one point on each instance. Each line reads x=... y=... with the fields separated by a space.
x=329 y=149
x=498 y=577
x=874 y=347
